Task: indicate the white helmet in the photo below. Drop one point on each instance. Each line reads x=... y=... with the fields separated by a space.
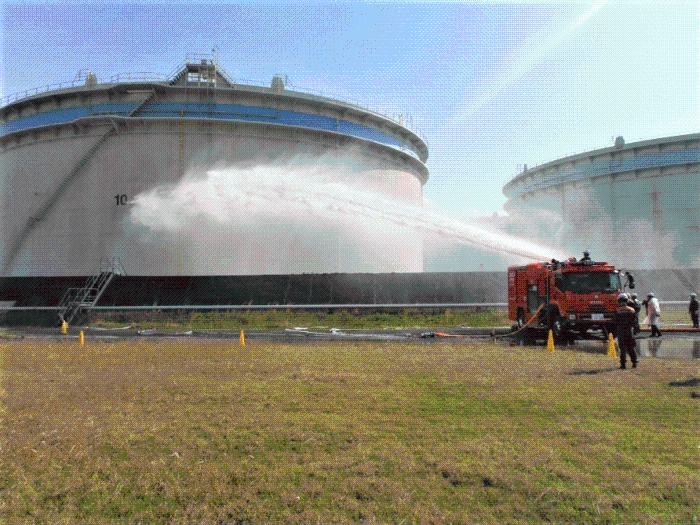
x=622 y=297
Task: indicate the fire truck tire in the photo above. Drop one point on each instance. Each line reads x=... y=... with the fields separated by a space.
x=553 y=321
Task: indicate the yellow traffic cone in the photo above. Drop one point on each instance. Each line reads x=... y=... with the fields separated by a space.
x=64 y=327
x=612 y=352
x=550 y=342
x=81 y=339
x=241 y=340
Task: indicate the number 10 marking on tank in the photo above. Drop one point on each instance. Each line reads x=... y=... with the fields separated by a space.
x=121 y=199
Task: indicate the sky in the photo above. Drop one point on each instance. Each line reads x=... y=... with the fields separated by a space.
x=490 y=86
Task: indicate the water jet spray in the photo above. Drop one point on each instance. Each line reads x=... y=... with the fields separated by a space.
x=229 y=200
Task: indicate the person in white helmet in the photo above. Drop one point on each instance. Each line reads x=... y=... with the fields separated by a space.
x=694 y=309
x=624 y=329
x=654 y=315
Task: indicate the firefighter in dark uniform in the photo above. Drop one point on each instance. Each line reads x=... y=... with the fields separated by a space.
x=693 y=309
x=586 y=259
x=634 y=303
x=624 y=328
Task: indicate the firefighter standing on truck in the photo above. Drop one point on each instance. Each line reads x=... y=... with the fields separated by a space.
x=624 y=328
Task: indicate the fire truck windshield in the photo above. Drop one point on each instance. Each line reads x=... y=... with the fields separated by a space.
x=588 y=282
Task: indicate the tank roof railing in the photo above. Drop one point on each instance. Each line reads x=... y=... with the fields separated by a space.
x=192 y=58
x=14 y=97
x=144 y=76
x=404 y=120
x=79 y=82
x=521 y=174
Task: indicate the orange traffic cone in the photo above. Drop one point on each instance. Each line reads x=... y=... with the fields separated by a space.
x=81 y=339
x=550 y=342
x=241 y=340
x=612 y=351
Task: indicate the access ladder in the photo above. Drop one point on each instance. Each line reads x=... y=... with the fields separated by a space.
x=77 y=300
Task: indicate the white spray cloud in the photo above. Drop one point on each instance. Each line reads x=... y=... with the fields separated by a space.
x=227 y=207
x=628 y=241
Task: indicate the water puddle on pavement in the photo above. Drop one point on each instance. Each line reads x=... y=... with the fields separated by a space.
x=686 y=347
x=662 y=347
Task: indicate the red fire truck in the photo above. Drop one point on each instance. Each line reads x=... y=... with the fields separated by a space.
x=569 y=297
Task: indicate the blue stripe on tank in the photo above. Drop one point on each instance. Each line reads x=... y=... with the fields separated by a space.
x=200 y=110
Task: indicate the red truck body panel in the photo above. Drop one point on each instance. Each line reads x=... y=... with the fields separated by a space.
x=580 y=294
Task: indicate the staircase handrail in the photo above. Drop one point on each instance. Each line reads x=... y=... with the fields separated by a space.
x=75 y=299
x=113 y=265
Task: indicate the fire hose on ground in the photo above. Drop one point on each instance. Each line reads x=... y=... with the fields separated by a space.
x=493 y=336
x=523 y=327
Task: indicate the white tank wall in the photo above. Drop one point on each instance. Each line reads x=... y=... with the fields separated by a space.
x=647 y=219
x=86 y=224
x=28 y=178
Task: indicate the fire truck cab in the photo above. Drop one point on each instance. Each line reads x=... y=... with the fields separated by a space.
x=569 y=297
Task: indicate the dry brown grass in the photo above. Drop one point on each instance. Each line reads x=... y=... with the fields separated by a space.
x=208 y=432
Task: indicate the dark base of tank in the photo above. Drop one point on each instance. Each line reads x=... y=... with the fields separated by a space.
x=330 y=289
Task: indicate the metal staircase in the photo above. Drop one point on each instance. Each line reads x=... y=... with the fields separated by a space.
x=49 y=203
x=198 y=64
x=81 y=300
x=231 y=81
x=143 y=104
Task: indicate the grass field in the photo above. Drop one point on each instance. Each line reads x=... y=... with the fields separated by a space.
x=406 y=318
x=281 y=319
x=210 y=432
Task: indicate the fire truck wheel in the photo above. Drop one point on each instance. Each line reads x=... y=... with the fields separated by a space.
x=551 y=319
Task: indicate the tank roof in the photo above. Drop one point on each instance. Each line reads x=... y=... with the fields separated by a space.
x=548 y=174
x=207 y=74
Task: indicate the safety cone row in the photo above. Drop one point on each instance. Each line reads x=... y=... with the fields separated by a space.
x=612 y=352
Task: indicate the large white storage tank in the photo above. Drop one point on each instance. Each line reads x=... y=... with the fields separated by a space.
x=142 y=170
x=637 y=204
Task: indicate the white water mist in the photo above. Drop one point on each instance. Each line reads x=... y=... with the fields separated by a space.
x=300 y=219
